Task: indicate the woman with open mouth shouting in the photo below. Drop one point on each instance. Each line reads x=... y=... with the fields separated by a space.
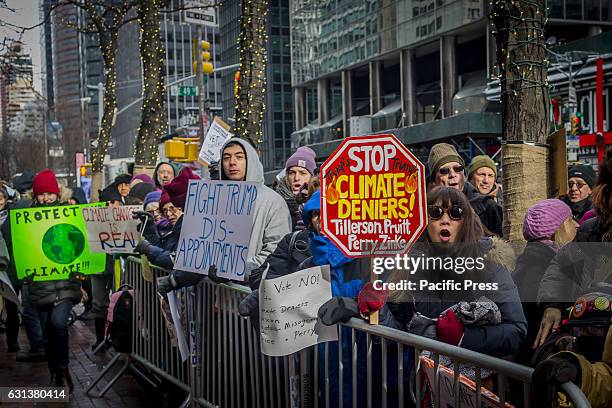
x=456 y=253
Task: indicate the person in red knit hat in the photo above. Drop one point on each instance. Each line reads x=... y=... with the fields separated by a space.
x=53 y=300
x=171 y=204
x=45 y=187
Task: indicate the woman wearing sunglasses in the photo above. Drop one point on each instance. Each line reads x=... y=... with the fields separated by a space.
x=455 y=232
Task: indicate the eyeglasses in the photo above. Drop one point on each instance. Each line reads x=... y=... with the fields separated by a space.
x=446 y=170
x=578 y=185
x=168 y=210
x=436 y=212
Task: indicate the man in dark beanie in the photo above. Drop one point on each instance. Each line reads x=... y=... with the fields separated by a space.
x=581 y=179
x=447 y=168
x=122 y=183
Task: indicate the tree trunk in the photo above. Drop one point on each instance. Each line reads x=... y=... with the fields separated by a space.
x=108 y=46
x=153 y=119
x=250 y=102
x=522 y=65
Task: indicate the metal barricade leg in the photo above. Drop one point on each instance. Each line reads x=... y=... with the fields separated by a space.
x=106 y=369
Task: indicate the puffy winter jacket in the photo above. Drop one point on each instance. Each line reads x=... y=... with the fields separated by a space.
x=499 y=340
x=489 y=212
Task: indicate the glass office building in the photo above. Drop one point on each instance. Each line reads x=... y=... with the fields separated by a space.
x=361 y=66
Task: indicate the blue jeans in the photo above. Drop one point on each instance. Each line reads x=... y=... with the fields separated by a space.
x=31 y=321
x=54 y=320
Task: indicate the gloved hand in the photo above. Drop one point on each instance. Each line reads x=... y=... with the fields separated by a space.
x=249 y=307
x=370 y=299
x=212 y=275
x=213 y=170
x=142 y=216
x=449 y=328
x=548 y=374
x=143 y=247
x=164 y=284
x=338 y=310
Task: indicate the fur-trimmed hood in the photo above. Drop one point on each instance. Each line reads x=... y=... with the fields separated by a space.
x=500 y=252
x=65 y=194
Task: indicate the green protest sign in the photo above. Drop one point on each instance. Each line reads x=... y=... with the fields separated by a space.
x=50 y=243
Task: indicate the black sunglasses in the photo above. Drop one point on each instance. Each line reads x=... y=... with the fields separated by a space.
x=446 y=170
x=436 y=212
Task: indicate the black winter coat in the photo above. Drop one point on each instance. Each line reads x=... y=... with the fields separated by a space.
x=291 y=251
x=578 y=267
x=530 y=268
x=499 y=340
x=489 y=212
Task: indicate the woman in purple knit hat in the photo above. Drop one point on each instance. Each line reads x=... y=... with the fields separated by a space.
x=548 y=225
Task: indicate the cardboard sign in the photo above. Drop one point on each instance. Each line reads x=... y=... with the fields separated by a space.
x=373 y=200
x=50 y=243
x=217 y=135
x=112 y=230
x=288 y=309
x=217 y=224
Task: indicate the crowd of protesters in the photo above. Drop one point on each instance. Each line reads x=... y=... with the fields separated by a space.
x=558 y=284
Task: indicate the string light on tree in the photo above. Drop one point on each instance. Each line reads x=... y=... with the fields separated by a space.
x=250 y=100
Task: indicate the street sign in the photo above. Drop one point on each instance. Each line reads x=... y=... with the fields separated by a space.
x=176 y=90
x=204 y=16
x=373 y=197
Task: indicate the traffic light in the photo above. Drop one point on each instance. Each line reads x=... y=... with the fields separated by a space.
x=85 y=170
x=182 y=149
x=202 y=47
x=575 y=125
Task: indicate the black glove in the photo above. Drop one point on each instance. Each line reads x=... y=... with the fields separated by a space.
x=143 y=247
x=212 y=275
x=338 y=310
x=164 y=285
x=249 y=307
x=142 y=216
x=213 y=170
x=546 y=377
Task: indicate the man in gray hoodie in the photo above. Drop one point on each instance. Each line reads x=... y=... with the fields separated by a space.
x=271 y=218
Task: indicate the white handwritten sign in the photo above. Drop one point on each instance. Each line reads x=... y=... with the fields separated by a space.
x=217 y=225
x=217 y=135
x=288 y=309
x=112 y=230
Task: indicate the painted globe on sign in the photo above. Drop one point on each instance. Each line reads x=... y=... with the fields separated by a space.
x=63 y=243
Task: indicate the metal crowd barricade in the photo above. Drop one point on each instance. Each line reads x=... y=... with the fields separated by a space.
x=227 y=369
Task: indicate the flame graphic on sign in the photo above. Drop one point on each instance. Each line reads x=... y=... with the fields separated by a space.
x=332 y=195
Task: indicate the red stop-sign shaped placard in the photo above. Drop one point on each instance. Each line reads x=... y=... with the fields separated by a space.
x=373 y=200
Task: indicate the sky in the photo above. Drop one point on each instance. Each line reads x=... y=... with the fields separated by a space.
x=26 y=14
